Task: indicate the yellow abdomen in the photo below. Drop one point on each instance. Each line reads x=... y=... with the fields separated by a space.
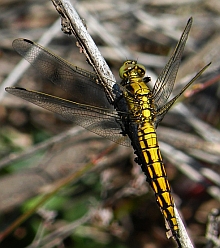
x=156 y=173
x=148 y=152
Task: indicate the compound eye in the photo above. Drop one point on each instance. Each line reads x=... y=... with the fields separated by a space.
x=128 y=65
x=122 y=72
x=141 y=69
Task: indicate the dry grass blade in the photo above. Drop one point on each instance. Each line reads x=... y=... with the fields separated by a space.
x=40 y=178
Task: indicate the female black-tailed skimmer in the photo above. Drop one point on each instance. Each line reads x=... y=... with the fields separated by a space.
x=134 y=113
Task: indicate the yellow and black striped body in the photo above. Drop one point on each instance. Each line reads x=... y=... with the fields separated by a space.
x=141 y=107
x=109 y=109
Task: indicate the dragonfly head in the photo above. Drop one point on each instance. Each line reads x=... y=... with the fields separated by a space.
x=130 y=67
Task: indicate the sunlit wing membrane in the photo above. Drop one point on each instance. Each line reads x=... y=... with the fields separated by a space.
x=164 y=109
x=104 y=122
x=165 y=82
x=81 y=84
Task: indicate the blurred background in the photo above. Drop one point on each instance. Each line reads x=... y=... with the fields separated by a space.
x=108 y=204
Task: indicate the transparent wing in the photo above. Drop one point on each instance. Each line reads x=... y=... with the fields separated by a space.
x=165 y=82
x=164 y=109
x=81 y=84
x=104 y=122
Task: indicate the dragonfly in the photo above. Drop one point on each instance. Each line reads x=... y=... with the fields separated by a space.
x=130 y=119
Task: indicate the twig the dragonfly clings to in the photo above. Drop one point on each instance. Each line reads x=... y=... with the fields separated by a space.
x=73 y=24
